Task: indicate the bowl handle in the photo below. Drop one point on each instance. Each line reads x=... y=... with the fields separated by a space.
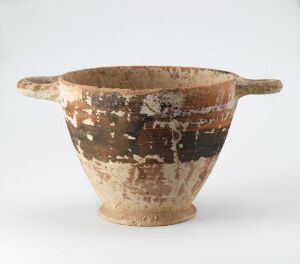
x=40 y=87
x=264 y=86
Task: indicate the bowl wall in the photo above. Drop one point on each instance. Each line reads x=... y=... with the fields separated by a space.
x=151 y=149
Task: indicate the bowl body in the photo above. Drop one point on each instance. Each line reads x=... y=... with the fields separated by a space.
x=147 y=152
x=147 y=137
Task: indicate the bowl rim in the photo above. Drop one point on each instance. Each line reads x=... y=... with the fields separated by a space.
x=136 y=91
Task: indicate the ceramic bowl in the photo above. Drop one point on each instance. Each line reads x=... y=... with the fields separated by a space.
x=147 y=136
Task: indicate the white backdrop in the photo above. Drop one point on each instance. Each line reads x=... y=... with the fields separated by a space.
x=248 y=211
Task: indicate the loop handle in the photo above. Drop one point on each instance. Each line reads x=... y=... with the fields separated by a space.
x=40 y=87
x=264 y=86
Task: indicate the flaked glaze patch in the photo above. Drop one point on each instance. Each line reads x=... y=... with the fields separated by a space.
x=179 y=125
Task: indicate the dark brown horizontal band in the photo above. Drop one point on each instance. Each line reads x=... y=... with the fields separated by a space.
x=159 y=146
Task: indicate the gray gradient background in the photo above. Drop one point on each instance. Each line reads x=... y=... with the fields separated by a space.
x=248 y=211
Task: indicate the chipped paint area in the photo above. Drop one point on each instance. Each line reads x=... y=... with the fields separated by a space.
x=141 y=160
x=129 y=137
x=73 y=119
x=120 y=157
x=89 y=137
x=210 y=131
x=111 y=118
x=88 y=100
x=118 y=113
x=88 y=121
x=99 y=112
x=152 y=104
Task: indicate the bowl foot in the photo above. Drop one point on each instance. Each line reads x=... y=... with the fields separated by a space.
x=147 y=217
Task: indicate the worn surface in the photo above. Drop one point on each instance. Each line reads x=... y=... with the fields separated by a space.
x=148 y=150
x=147 y=136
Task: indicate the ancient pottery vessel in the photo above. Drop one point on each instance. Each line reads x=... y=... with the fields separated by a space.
x=147 y=137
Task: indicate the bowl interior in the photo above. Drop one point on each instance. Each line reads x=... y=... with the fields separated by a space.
x=147 y=77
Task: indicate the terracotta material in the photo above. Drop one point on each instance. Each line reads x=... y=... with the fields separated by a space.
x=147 y=137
